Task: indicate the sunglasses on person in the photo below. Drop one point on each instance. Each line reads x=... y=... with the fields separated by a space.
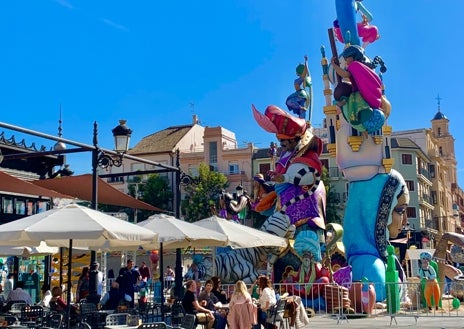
x=400 y=211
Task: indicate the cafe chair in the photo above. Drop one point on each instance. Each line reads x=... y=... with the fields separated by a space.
x=14 y=306
x=188 y=321
x=276 y=314
x=153 y=325
x=96 y=320
x=53 y=320
x=85 y=308
x=177 y=313
x=149 y=311
x=116 y=319
x=32 y=316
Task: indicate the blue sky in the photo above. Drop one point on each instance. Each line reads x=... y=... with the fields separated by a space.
x=156 y=63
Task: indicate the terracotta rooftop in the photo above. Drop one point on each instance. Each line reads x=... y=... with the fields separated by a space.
x=161 y=141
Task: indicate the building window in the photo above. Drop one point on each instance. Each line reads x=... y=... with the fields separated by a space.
x=30 y=208
x=432 y=171
x=439 y=132
x=406 y=159
x=118 y=179
x=20 y=207
x=234 y=169
x=410 y=185
x=193 y=170
x=440 y=151
x=433 y=195
x=42 y=206
x=264 y=168
x=411 y=212
x=213 y=154
x=7 y=205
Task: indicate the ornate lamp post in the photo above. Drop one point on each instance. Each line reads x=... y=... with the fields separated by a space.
x=100 y=159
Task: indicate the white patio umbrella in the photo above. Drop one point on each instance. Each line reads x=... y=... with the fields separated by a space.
x=241 y=236
x=26 y=251
x=85 y=227
x=174 y=233
x=75 y=226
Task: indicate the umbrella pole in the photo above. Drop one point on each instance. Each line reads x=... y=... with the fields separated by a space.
x=68 y=296
x=161 y=278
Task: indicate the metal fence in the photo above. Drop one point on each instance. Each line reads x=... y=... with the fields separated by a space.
x=354 y=301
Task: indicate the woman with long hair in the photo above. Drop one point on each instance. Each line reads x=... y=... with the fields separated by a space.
x=217 y=290
x=267 y=299
x=83 y=285
x=242 y=312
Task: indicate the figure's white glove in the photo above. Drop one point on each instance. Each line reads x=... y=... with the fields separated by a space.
x=300 y=174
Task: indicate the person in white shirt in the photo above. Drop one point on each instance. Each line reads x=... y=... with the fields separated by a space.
x=46 y=295
x=94 y=267
x=8 y=285
x=267 y=299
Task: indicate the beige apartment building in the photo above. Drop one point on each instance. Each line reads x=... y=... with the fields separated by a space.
x=194 y=144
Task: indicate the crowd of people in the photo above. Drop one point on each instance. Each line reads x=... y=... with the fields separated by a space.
x=211 y=305
x=244 y=308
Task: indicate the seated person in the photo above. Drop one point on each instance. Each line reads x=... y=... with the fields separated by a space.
x=218 y=291
x=46 y=295
x=19 y=294
x=191 y=306
x=58 y=304
x=209 y=300
x=267 y=299
x=114 y=297
x=242 y=311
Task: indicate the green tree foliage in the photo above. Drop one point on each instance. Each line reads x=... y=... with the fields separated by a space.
x=332 y=215
x=155 y=191
x=202 y=194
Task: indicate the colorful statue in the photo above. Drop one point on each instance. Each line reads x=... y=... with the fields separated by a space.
x=377 y=194
x=429 y=275
x=297 y=176
x=300 y=102
x=301 y=195
x=311 y=273
x=348 y=9
x=300 y=202
x=231 y=208
x=263 y=191
x=363 y=105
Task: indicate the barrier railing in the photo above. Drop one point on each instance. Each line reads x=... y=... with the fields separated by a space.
x=359 y=300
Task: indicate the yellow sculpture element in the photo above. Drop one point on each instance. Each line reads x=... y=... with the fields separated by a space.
x=330 y=109
x=332 y=148
x=388 y=164
x=355 y=142
x=378 y=139
x=387 y=130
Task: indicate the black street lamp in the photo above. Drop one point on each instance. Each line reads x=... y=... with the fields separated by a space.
x=182 y=179
x=100 y=159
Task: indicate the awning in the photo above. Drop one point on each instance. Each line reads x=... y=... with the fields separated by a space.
x=80 y=187
x=11 y=184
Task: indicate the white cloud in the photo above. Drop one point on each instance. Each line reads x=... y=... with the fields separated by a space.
x=65 y=4
x=115 y=25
